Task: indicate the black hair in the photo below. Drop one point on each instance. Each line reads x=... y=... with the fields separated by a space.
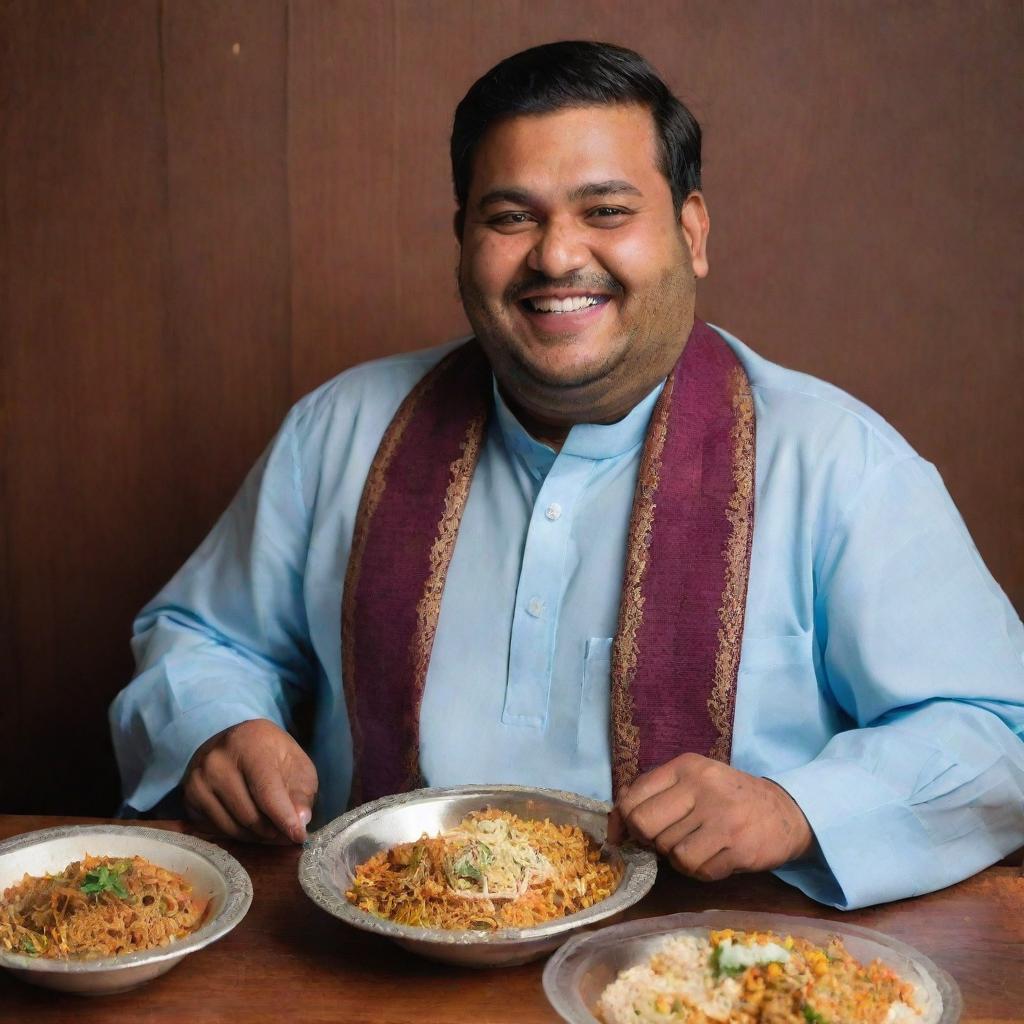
x=576 y=74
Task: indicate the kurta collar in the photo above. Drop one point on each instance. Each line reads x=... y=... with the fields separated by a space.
x=594 y=441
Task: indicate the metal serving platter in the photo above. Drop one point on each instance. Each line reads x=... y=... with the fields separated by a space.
x=212 y=872
x=333 y=853
x=578 y=973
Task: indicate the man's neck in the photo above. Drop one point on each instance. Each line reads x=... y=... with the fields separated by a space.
x=551 y=434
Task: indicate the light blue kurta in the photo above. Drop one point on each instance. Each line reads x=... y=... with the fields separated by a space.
x=882 y=673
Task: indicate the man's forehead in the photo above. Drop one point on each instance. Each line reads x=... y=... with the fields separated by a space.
x=584 y=148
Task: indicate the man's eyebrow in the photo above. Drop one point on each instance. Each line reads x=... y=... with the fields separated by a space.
x=595 y=189
x=516 y=196
x=591 y=190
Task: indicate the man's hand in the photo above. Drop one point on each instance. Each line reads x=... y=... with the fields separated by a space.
x=252 y=782
x=710 y=820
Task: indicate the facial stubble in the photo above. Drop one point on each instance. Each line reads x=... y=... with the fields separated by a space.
x=661 y=323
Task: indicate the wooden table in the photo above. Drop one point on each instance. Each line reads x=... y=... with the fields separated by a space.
x=288 y=961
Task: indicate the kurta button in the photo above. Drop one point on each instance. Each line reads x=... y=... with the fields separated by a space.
x=535 y=607
x=553 y=511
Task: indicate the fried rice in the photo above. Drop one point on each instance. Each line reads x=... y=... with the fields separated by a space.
x=734 y=977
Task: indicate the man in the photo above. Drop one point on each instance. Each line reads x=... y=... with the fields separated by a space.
x=535 y=557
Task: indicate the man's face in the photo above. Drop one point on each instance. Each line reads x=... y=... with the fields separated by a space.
x=576 y=273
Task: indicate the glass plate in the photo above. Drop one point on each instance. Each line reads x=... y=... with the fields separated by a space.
x=577 y=974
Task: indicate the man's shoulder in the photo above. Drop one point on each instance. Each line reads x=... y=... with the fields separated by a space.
x=372 y=389
x=797 y=408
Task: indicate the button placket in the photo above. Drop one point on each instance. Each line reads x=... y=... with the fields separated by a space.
x=541 y=585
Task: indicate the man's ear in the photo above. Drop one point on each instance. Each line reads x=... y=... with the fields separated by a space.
x=696 y=225
x=458 y=222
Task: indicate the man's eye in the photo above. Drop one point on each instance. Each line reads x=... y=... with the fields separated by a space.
x=511 y=219
x=604 y=212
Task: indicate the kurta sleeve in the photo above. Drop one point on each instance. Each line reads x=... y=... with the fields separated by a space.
x=924 y=653
x=226 y=640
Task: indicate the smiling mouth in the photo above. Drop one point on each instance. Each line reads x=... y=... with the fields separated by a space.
x=572 y=304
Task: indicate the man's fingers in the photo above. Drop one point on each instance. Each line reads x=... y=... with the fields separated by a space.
x=236 y=800
x=691 y=854
x=720 y=866
x=203 y=806
x=302 y=786
x=253 y=781
x=271 y=796
x=650 y=784
x=650 y=818
x=668 y=839
x=616 y=831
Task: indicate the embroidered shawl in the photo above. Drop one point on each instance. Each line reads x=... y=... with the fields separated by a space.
x=676 y=652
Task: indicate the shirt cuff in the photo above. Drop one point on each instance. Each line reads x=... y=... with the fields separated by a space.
x=857 y=821
x=174 y=747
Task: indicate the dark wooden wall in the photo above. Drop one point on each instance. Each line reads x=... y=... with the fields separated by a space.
x=210 y=207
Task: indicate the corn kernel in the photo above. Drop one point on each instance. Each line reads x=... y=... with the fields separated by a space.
x=820 y=968
x=662 y=1005
x=775 y=970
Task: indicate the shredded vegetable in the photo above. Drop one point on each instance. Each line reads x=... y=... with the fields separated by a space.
x=493 y=870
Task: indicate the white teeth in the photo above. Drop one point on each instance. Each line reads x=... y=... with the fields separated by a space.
x=570 y=305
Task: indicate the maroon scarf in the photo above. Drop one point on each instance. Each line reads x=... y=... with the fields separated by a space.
x=677 y=649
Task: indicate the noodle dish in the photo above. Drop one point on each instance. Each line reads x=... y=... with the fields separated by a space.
x=475 y=875
x=98 y=906
x=104 y=908
x=492 y=870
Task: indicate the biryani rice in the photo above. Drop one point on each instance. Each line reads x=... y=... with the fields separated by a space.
x=734 y=977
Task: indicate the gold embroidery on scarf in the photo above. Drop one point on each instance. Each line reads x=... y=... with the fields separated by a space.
x=625 y=732
x=739 y=512
x=373 y=491
x=428 y=609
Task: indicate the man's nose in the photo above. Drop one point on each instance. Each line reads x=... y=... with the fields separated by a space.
x=560 y=250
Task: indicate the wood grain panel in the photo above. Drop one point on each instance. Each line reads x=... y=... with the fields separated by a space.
x=342 y=159
x=865 y=194
x=227 y=302
x=146 y=338
x=82 y=217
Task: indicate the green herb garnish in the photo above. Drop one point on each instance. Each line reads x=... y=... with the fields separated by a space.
x=28 y=944
x=105 y=879
x=812 y=1016
x=465 y=868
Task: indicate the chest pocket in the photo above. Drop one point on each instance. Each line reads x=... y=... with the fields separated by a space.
x=781 y=702
x=593 y=729
x=788 y=657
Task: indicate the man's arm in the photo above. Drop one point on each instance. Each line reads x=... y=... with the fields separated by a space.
x=925 y=655
x=923 y=651
x=226 y=642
